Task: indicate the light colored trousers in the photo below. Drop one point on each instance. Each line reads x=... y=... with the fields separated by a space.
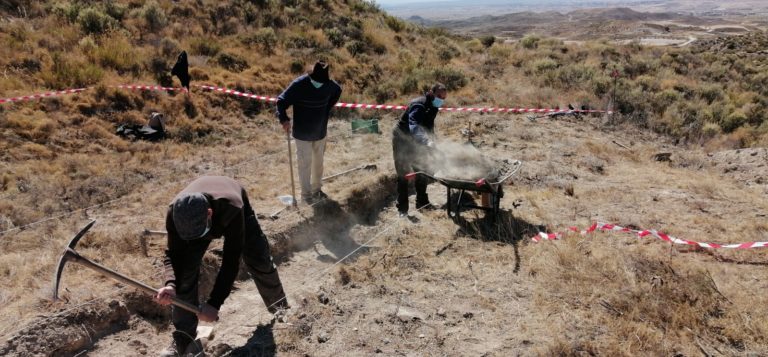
x=309 y=158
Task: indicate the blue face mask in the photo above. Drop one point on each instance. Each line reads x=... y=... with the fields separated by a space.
x=316 y=83
x=437 y=102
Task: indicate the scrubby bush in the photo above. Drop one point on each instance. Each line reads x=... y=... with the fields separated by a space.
x=205 y=46
x=265 y=38
x=452 y=78
x=488 y=41
x=544 y=65
x=297 y=66
x=169 y=47
x=231 y=62
x=67 y=74
x=115 y=10
x=394 y=23
x=153 y=15
x=355 y=47
x=335 y=36
x=301 y=41
x=93 y=21
x=530 y=42
x=67 y=11
x=409 y=85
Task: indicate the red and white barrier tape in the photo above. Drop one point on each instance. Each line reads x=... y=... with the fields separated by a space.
x=646 y=232
x=41 y=95
x=340 y=105
x=144 y=87
x=403 y=107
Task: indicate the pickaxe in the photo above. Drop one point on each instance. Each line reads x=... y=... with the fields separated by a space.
x=70 y=254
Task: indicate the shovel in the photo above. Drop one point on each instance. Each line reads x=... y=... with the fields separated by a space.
x=290 y=163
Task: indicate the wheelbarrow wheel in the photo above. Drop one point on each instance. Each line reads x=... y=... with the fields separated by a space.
x=453 y=205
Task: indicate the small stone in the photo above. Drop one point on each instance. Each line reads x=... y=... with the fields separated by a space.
x=468 y=315
x=386 y=341
x=323 y=337
x=406 y=315
x=441 y=312
x=378 y=350
x=421 y=335
x=322 y=298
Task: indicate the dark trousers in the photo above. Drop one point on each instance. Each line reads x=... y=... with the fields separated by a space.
x=258 y=262
x=409 y=157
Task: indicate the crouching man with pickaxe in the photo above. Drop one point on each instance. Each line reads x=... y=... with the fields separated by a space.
x=209 y=208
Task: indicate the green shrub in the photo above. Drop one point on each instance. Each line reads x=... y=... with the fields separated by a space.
x=384 y=92
x=301 y=41
x=500 y=51
x=409 y=85
x=710 y=130
x=544 y=65
x=297 y=66
x=530 y=42
x=734 y=120
x=447 y=52
x=169 y=47
x=335 y=37
x=355 y=47
x=452 y=78
x=474 y=45
x=115 y=10
x=67 y=74
x=117 y=52
x=93 y=21
x=710 y=92
x=231 y=62
x=394 y=23
x=204 y=47
x=153 y=15
x=67 y=11
x=265 y=38
x=488 y=41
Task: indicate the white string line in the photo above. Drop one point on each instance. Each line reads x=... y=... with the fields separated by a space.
x=20 y=228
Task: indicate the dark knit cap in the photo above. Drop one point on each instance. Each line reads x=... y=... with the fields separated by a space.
x=190 y=215
x=320 y=72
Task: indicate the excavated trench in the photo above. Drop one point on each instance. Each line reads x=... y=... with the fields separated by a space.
x=77 y=330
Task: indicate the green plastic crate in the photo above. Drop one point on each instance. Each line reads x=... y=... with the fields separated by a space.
x=365 y=126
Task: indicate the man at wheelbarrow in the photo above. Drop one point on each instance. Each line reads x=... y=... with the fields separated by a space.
x=208 y=208
x=412 y=139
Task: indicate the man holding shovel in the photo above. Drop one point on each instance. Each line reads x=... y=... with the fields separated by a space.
x=312 y=96
x=208 y=208
x=412 y=142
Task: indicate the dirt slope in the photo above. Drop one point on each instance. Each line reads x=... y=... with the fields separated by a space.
x=433 y=286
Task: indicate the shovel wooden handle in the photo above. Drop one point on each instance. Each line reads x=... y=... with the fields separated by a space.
x=72 y=255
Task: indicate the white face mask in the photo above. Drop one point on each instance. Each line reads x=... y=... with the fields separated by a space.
x=316 y=83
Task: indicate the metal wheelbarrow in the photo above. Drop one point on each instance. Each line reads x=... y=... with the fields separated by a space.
x=493 y=187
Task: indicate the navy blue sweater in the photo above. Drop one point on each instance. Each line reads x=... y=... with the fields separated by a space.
x=419 y=119
x=311 y=107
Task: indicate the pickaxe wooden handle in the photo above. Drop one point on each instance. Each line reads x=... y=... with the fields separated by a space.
x=71 y=255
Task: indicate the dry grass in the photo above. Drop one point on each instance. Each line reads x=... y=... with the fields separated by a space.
x=59 y=156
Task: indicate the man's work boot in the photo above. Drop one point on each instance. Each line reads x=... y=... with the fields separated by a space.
x=178 y=346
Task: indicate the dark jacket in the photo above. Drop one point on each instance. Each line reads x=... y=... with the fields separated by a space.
x=311 y=107
x=226 y=198
x=419 y=119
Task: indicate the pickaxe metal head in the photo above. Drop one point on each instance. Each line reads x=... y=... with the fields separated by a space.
x=65 y=256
